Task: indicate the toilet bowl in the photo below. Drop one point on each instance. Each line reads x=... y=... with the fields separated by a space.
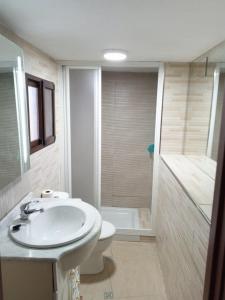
x=95 y=263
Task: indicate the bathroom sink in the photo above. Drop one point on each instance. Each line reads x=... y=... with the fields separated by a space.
x=60 y=222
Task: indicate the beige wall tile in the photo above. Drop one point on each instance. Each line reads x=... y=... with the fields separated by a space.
x=182 y=239
x=174 y=107
x=198 y=108
x=46 y=164
x=128 y=117
x=198 y=185
x=186 y=108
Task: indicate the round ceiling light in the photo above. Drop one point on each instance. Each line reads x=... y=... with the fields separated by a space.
x=115 y=55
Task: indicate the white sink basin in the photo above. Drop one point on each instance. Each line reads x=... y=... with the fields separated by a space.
x=61 y=222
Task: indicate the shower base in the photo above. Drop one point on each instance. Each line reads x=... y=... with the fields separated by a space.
x=121 y=218
x=128 y=221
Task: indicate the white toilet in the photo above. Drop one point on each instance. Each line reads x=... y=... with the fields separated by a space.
x=95 y=263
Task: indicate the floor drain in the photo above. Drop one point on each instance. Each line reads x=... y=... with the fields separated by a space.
x=108 y=295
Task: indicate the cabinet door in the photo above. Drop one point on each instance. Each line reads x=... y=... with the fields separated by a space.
x=24 y=280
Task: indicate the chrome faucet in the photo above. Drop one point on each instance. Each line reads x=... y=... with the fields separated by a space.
x=26 y=210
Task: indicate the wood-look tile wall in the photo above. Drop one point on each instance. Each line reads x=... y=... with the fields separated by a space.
x=128 y=124
x=174 y=107
x=46 y=165
x=186 y=108
x=199 y=103
x=182 y=231
x=182 y=239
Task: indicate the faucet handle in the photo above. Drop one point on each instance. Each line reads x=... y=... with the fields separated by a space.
x=25 y=207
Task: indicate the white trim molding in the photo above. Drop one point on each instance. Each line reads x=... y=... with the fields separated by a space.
x=97 y=130
x=67 y=130
x=158 y=121
x=97 y=138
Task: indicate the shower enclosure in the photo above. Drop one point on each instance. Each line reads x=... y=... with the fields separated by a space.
x=128 y=130
x=112 y=135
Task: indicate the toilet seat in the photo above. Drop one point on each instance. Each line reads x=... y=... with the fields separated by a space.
x=107 y=230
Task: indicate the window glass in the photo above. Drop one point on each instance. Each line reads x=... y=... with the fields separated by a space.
x=33 y=113
x=48 y=113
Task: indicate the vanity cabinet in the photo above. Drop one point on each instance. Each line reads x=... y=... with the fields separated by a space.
x=38 y=280
x=30 y=273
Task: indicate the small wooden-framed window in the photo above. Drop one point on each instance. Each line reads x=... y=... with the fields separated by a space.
x=49 y=112
x=34 y=99
x=41 y=112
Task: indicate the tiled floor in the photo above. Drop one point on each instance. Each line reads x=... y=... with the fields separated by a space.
x=144 y=218
x=132 y=272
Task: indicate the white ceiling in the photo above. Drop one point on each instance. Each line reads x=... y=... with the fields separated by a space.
x=8 y=50
x=217 y=54
x=152 y=30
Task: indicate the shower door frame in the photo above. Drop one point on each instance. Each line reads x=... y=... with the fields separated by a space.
x=66 y=156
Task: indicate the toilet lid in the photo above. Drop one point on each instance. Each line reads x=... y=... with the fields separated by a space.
x=108 y=230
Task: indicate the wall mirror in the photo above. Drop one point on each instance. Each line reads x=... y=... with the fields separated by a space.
x=14 y=150
x=206 y=92
x=204 y=103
